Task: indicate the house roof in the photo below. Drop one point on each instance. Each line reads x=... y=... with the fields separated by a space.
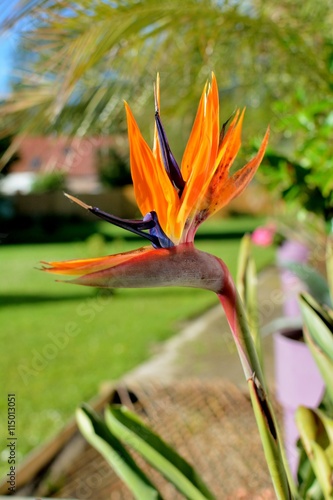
x=77 y=156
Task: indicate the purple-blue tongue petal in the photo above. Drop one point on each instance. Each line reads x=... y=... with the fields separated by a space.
x=155 y=234
x=170 y=163
x=134 y=226
x=149 y=223
x=158 y=232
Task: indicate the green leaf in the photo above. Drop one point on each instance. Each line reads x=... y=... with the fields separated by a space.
x=315 y=282
x=247 y=288
x=307 y=481
x=313 y=328
x=327 y=423
x=271 y=441
x=319 y=325
x=315 y=431
x=322 y=469
x=99 y=436
x=127 y=427
x=324 y=364
x=319 y=338
x=329 y=262
x=306 y=424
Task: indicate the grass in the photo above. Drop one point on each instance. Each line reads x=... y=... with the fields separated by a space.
x=61 y=342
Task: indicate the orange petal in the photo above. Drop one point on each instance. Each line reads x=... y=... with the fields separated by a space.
x=195 y=137
x=213 y=100
x=86 y=266
x=227 y=153
x=157 y=103
x=193 y=192
x=222 y=193
x=152 y=186
x=229 y=146
x=201 y=151
x=156 y=146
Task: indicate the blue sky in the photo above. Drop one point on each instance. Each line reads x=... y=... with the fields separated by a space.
x=7 y=50
x=8 y=43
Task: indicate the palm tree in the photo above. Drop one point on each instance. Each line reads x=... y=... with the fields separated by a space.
x=80 y=58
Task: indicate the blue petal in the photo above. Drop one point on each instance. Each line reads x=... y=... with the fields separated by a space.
x=169 y=161
x=157 y=232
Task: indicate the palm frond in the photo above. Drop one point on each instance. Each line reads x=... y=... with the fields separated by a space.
x=89 y=55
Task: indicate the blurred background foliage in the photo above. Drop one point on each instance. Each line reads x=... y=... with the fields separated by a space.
x=48 y=182
x=114 y=168
x=300 y=169
x=78 y=60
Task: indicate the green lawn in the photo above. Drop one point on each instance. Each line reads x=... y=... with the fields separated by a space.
x=60 y=342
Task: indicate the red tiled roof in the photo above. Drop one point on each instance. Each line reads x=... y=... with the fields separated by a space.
x=77 y=156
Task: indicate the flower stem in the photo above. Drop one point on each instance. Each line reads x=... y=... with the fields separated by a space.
x=266 y=421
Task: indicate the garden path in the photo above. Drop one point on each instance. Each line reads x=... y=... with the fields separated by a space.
x=204 y=347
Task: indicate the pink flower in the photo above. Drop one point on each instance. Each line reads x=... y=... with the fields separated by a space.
x=264 y=235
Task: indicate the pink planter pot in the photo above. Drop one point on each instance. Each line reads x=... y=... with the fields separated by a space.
x=298 y=382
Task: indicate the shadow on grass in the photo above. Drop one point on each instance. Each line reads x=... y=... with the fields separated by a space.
x=14 y=299
x=22 y=299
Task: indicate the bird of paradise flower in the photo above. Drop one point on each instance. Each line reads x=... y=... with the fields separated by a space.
x=174 y=200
